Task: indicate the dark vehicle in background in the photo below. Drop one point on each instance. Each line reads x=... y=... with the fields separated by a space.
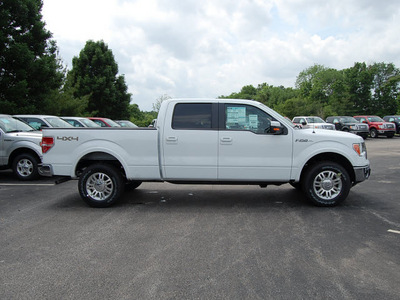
x=377 y=126
x=349 y=124
x=19 y=148
x=126 y=123
x=395 y=120
x=104 y=122
x=80 y=122
x=43 y=121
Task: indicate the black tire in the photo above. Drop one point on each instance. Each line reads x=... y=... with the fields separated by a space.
x=373 y=133
x=101 y=185
x=25 y=166
x=132 y=184
x=326 y=184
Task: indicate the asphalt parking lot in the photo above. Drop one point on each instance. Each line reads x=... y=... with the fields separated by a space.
x=166 y=241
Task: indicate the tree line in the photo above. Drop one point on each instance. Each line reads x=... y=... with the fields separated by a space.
x=360 y=89
x=33 y=79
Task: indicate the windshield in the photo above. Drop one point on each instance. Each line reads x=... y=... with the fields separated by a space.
x=89 y=123
x=348 y=120
x=127 y=124
x=315 y=120
x=375 y=119
x=9 y=124
x=57 y=122
x=112 y=123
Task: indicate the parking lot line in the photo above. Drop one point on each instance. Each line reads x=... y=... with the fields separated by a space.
x=394 y=231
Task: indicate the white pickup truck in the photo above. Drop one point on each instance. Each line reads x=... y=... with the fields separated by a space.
x=213 y=141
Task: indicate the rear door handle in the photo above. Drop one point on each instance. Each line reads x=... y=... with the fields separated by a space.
x=172 y=139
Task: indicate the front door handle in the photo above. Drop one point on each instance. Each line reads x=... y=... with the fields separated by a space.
x=226 y=140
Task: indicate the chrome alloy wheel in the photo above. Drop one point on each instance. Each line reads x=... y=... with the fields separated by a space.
x=25 y=167
x=99 y=186
x=327 y=185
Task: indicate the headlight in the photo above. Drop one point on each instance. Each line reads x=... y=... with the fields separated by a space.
x=361 y=149
x=353 y=127
x=381 y=126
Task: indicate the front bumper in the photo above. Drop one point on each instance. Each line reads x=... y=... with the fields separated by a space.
x=361 y=173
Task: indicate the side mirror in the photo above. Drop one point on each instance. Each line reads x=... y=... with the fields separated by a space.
x=304 y=123
x=276 y=128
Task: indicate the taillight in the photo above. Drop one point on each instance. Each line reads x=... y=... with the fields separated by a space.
x=47 y=143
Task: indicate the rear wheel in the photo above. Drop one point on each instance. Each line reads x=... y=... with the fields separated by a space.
x=101 y=185
x=25 y=166
x=326 y=184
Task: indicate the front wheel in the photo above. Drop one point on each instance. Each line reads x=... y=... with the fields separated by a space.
x=373 y=133
x=327 y=184
x=25 y=166
x=101 y=185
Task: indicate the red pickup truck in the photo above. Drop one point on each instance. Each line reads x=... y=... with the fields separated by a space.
x=377 y=126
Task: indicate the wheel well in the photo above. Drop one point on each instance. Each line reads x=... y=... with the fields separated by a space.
x=98 y=157
x=19 y=151
x=334 y=157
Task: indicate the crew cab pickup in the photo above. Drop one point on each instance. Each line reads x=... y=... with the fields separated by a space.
x=213 y=141
x=377 y=126
x=19 y=148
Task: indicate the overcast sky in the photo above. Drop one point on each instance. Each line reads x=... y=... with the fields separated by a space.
x=208 y=48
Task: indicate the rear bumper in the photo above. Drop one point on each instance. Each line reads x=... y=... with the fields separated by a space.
x=361 y=173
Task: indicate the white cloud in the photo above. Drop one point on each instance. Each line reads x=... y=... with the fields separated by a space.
x=208 y=48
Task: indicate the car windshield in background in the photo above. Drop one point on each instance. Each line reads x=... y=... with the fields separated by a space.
x=58 y=123
x=112 y=123
x=9 y=125
x=89 y=123
x=315 y=120
x=375 y=119
x=348 y=120
x=126 y=124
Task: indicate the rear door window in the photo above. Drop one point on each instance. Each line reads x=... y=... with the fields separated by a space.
x=192 y=116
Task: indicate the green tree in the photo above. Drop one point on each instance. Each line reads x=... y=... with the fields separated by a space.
x=141 y=118
x=385 y=84
x=247 y=92
x=30 y=70
x=358 y=86
x=273 y=96
x=94 y=74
